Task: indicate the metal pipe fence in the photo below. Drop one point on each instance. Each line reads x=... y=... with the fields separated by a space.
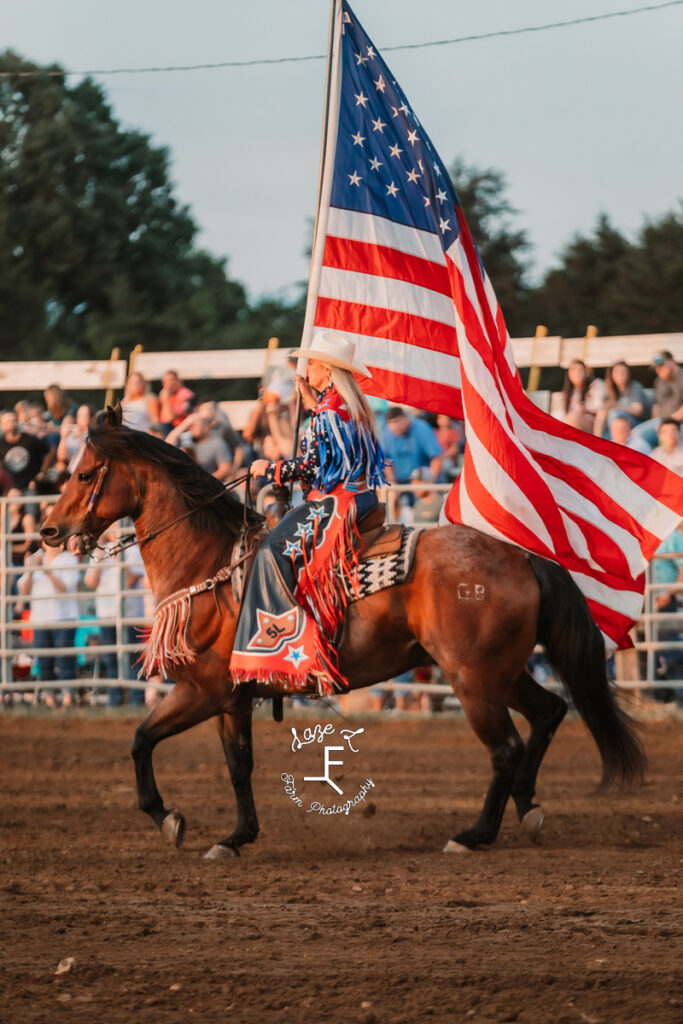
x=659 y=635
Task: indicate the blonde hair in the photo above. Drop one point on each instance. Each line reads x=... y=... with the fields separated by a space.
x=352 y=396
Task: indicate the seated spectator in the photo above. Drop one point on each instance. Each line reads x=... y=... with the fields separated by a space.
x=428 y=502
x=583 y=396
x=72 y=438
x=220 y=426
x=59 y=408
x=669 y=451
x=50 y=584
x=34 y=422
x=20 y=520
x=451 y=436
x=408 y=444
x=22 y=455
x=668 y=571
x=140 y=406
x=210 y=451
x=175 y=401
x=621 y=432
x=622 y=396
x=668 y=396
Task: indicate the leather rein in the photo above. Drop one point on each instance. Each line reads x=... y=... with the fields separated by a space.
x=90 y=543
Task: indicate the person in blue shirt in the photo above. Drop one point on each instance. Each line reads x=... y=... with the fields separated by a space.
x=669 y=571
x=409 y=444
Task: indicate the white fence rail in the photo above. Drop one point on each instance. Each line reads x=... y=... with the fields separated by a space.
x=658 y=633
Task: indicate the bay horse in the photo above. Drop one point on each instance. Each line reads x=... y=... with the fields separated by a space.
x=187 y=526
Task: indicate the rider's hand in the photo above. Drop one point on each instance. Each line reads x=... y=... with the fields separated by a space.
x=309 y=399
x=258 y=467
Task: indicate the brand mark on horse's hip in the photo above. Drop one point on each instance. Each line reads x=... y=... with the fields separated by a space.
x=471 y=592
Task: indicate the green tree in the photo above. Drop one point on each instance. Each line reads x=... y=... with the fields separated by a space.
x=583 y=289
x=504 y=249
x=95 y=251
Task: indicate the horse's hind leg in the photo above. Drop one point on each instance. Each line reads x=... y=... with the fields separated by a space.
x=544 y=711
x=180 y=709
x=492 y=724
x=234 y=727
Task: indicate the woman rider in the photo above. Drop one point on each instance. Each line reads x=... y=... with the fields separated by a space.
x=305 y=572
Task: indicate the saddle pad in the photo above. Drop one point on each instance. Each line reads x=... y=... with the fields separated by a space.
x=376 y=574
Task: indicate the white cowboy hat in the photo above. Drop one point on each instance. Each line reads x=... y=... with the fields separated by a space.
x=333 y=350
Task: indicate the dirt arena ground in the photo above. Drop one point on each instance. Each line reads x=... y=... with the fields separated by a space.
x=354 y=917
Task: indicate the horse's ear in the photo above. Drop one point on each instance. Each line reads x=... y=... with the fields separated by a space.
x=111 y=416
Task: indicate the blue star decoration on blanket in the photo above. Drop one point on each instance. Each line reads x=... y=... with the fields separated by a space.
x=316 y=514
x=292 y=549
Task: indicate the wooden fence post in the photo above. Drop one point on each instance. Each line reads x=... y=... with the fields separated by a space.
x=534 y=370
x=109 y=393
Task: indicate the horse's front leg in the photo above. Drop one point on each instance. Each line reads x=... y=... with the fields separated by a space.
x=183 y=707
x=234 y=728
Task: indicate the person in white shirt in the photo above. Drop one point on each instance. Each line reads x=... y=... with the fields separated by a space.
x=107 y=576
x=51 y=582
x=669 y=451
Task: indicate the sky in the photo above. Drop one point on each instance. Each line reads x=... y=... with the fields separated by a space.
x=581 y=119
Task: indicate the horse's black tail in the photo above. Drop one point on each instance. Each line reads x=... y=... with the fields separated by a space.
x=575 y=647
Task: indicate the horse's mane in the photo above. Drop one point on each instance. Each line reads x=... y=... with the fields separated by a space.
x=113 y=441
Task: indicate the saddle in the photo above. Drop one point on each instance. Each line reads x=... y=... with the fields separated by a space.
x=378 y=540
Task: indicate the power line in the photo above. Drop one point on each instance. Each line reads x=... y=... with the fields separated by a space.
x=321 y=56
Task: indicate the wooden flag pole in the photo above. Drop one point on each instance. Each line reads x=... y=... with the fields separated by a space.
x=321 y=172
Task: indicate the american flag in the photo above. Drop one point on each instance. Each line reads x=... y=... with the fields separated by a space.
x=395 y=269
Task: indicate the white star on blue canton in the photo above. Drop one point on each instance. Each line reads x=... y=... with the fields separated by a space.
x=375 y=164
x=354 y=179
x=391 y=189
x=441 y=196
x=412 y=137
x=361 y=59
x=358 y=139
x=380 y=84
x=379 y=125
x=371 y=52
x=444 y=225
x=361 y=98
x=413 y=176
x=295 y=655
x=292 y=549
x=395 y=151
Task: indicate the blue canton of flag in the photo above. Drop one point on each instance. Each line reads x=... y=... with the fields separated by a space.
x=385 y=163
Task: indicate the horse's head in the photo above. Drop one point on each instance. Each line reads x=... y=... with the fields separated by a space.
x=101 y=490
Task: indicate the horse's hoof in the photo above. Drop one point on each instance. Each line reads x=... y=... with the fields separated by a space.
x=219 y=852
x=453 y=847
x=173 y=828
x=532 y=823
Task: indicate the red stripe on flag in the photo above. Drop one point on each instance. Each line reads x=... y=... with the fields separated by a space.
x=376 y=322
x=405 y=390
x=382 y=261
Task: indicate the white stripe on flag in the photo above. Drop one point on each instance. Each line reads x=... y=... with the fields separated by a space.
x=366 y=227
x=398 y=357
x=386 y=293
x=503 y=488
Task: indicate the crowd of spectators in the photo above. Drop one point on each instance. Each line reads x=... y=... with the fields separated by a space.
x=40 y=443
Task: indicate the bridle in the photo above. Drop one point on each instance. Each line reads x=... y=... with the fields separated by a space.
x=89 y=541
